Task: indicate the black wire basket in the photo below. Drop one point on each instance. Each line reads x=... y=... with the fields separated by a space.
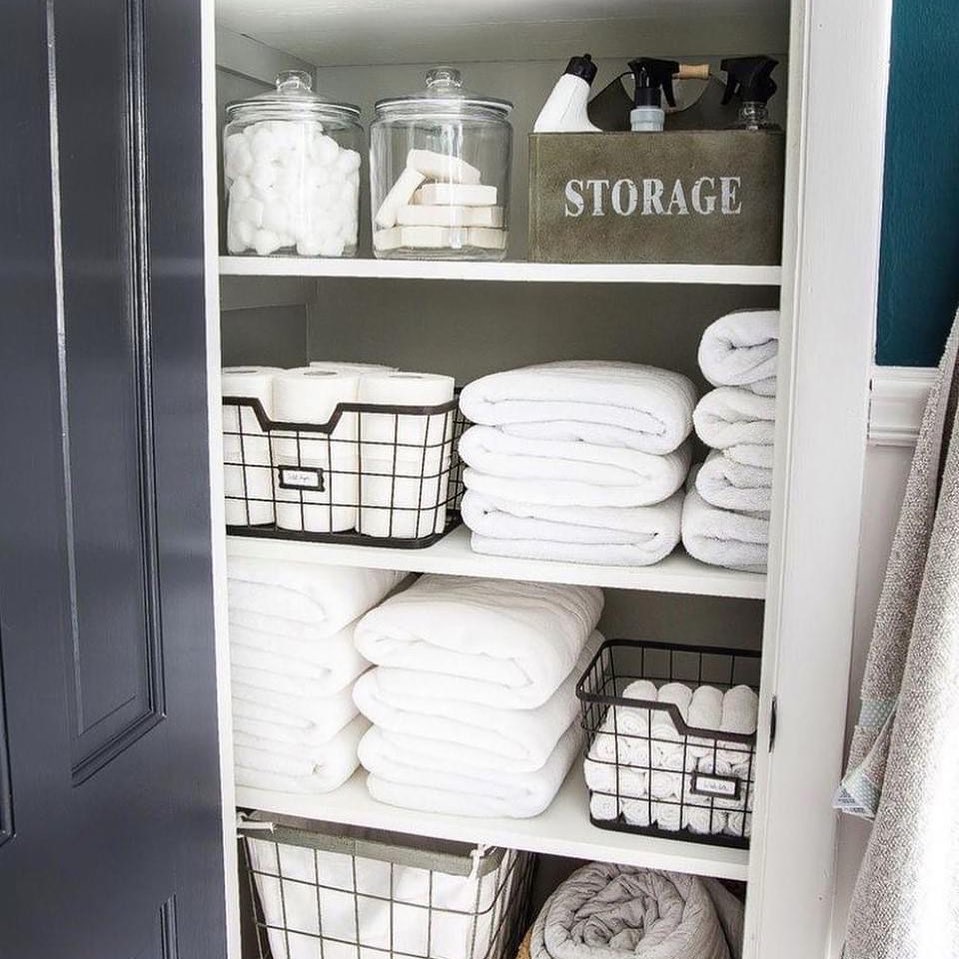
x=647 y=770
x=336 y=892
x=372 y=475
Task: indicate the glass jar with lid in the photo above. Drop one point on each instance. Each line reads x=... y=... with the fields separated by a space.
x=439 y=173
x=291 y=163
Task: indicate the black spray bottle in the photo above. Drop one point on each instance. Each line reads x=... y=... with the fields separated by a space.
x=653 y=78
x=750 y=79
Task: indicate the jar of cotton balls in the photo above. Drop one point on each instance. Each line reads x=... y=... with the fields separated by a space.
x=439 y=172
x=292 y=172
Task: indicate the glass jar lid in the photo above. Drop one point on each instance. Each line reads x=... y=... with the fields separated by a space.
x=444 y=95
x=293 y=98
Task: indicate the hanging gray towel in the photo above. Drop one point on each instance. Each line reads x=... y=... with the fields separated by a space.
x=904 y=761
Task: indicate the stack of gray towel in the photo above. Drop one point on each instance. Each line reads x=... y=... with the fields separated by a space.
x=726 y=512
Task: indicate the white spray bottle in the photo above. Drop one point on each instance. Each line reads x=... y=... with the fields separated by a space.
x=565 y=109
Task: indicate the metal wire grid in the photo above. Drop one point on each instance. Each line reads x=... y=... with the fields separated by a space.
x=495 y=921
x=401 y=489
x=723 y=760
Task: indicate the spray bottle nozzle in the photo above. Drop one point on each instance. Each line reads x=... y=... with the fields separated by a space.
x=749 y=77
x=651 y=76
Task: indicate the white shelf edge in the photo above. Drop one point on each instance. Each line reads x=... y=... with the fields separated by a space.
x=563 y=829
x=507 y=271
x=452 y=555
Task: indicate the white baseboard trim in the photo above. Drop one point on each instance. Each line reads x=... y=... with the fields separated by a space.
x=897 y=399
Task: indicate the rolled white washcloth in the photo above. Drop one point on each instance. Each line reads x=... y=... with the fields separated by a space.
x=247 y=476
x=663 y=733
x=623 y=735
x=742 y=349
x=740 y=715
x=322 y=467
x=404 y=457
x=636 y=812
x=726 y=484
x=705 y=712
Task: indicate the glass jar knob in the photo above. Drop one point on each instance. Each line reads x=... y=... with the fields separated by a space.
x=444 y=77
x=292 y=81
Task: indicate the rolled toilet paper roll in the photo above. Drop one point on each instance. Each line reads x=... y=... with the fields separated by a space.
x=315 y=473
x=247 y=470
x=397 y=503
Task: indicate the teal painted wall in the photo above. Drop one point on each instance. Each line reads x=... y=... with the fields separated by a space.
x=919 y=271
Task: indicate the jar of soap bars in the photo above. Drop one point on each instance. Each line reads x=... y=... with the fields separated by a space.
x=292 y=172
x=439 y=173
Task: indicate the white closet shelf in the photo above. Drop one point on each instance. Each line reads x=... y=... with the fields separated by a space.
x=509 y=271
x=452 y=555
x=563 y=829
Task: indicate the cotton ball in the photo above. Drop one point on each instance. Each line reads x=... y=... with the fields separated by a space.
x=264 y=146
x=289 y=181
x=240 y=189
x=263 y=177
x=245 y=232
x=276 y=217
x=238 y=161
x=327 y=195
x=233 y=242
x=249 y=211
x=316 y=176
x=348 y=161
x=285 y=240
x=354 y=180
x=266 y=242
x=324 y=150
x=308 y=246
x=332 y=247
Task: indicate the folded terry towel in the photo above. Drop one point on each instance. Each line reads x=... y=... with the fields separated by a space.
x=724 y=538
x=742 y=349
x=731 y=416
x=494 y=793
x=610 y=403
x=273 y=715
x=317 y=770
x=605 y=910
x=556 y=471
x=605 y=535
x=288 y=665
x=326 y=597
x=467 y=735
x=516 y=641
x=729 y=485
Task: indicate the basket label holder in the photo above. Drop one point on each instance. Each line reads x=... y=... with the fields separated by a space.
x=308 y=478
x=716 y=787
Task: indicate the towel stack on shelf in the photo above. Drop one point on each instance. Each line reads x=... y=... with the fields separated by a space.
x=577 y=461
x=473 y=700
x=640 y=767
x=726 y=513
x=294 y=661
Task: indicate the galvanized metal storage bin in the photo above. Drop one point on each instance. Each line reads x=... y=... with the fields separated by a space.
x=673 y=197
x=322 y=891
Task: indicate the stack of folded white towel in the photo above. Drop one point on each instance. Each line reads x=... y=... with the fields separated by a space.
x=473 y=701
x=726 y=513
x=577 y=461
x=639 y=766
x=294 y=661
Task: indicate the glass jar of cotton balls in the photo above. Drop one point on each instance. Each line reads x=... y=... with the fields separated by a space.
x=439 y=172
x=292 y=172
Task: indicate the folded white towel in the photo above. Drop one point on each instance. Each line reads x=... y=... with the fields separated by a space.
x=751 y=454
x=721 y=537
x=556 y=469
x=519 y=640
x=512 y=795
x=742 y=349
x=729 y=485
x=306 y=669
x=740 y=715
x=609 y=536
x=317 y=770
x=732 y=415
x=273 y=715
x=327 y=597
x=614 y=404
x=471 y=736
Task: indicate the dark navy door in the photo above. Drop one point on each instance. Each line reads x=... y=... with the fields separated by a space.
x=110 y=821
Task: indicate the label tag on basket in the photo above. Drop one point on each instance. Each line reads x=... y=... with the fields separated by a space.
x=302 y=477
x=722 y=787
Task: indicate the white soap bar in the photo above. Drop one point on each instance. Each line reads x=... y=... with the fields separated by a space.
x=439 y=166
x=455 y=194
x=400 y=194
x=450 y=216
x=486 y=238
x=420 y=237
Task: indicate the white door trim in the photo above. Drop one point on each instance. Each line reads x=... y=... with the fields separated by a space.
x=897 y=399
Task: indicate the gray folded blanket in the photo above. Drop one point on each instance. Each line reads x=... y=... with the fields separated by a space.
x=605 y=911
